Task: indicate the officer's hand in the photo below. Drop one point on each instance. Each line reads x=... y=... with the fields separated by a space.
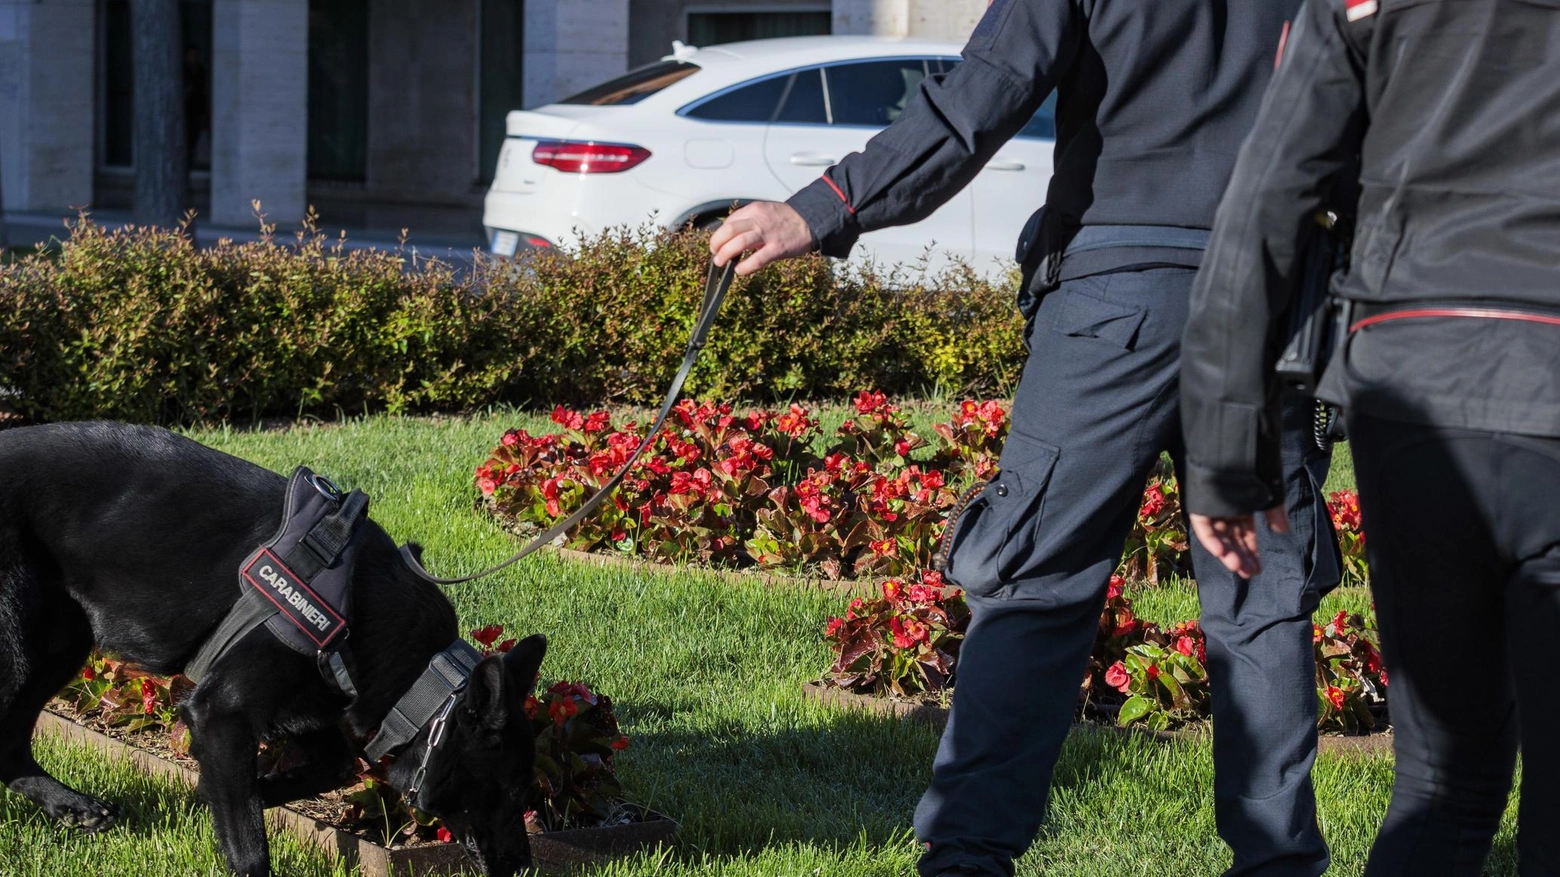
x=1233 y=540
x=768 y=230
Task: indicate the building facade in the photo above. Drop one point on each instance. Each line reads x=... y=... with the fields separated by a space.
x=380 y=113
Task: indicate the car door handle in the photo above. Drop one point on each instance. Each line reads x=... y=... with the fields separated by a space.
x=1004 y=164
x=813 y=159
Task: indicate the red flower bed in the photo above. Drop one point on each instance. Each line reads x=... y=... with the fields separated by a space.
x=906 y=643
x=1345 y=508
x=754 y=490
x=1162 y=672
x=748 y=490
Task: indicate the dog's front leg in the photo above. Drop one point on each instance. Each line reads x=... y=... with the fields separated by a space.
x=224 y=743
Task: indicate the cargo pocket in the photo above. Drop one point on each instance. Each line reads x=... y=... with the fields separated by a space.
x=1083 y=315
x=1325 y=564
x=996 y=532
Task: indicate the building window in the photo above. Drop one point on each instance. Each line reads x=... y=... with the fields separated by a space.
x=501 y=82
x=118 y=69
x=338 y=89
x=712 y=28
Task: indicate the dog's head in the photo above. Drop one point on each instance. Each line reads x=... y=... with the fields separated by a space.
x=481 y=775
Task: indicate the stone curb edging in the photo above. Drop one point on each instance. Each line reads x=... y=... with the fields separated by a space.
x=553 y=851
x=937 y=717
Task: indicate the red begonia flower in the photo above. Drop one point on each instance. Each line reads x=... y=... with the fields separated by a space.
x=1116 y=677
x=1335 y=697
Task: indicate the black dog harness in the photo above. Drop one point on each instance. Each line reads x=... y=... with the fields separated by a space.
x=299 y=584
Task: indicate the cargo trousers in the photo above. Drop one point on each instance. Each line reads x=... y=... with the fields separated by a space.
x=1096 y=406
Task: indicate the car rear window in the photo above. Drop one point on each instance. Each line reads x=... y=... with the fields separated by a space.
x=635 y=85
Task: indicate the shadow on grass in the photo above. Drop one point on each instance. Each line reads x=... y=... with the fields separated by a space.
x=840 y=778
x=147 y=806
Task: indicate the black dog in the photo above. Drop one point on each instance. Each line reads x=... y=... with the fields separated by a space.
x=132 y=537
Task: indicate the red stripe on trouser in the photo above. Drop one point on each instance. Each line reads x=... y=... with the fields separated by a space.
x=1479 y=313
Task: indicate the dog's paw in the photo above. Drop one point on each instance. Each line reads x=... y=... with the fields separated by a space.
x=86 y=813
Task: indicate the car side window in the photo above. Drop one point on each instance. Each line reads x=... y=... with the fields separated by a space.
x=872 y=93
x=1043 y=124
x=755 y=102
x=803 y=103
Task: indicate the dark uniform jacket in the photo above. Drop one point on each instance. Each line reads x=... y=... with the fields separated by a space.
x=1153 y=102
x=1453 y=109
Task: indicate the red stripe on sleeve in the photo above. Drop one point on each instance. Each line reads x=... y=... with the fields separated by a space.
x=840 y=193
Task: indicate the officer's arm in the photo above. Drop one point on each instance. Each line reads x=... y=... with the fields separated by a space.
x=1310 y=124
x=951 y=129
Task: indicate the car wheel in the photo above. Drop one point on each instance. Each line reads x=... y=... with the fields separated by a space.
x=707 y=221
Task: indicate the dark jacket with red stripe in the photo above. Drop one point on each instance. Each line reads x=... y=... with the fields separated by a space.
x=1153 y=100
x=1453 y=108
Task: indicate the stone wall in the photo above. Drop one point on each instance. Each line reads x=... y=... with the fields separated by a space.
x=46 y=104
x=259 y=109
x=931 y=19
x=571 y=45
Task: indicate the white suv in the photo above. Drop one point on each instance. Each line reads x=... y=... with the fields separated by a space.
x=683 y=140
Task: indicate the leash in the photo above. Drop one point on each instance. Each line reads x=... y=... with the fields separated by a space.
x=715 y=289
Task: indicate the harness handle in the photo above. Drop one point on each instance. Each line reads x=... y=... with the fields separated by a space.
x=715 y=288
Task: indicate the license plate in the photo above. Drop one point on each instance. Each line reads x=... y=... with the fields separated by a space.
x=505 y=243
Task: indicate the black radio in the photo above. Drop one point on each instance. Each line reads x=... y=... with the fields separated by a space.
x=1318 y=322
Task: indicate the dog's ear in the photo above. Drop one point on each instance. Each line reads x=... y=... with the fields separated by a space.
x=500 y=682
x=524 y=661
x=485 y=694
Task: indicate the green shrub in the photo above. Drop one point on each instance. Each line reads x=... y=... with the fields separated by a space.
x=141 y=324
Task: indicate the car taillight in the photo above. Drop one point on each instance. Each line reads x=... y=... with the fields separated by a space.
x=583 y=157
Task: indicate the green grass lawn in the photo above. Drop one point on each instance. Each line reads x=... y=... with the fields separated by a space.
x=706 y=675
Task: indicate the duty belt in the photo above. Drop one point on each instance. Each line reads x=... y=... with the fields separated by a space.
x=299 y=584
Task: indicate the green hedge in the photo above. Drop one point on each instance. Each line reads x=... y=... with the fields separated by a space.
x=140 y=324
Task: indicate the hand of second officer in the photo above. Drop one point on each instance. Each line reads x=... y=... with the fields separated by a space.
x=768 y=230
x=1233 y=540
